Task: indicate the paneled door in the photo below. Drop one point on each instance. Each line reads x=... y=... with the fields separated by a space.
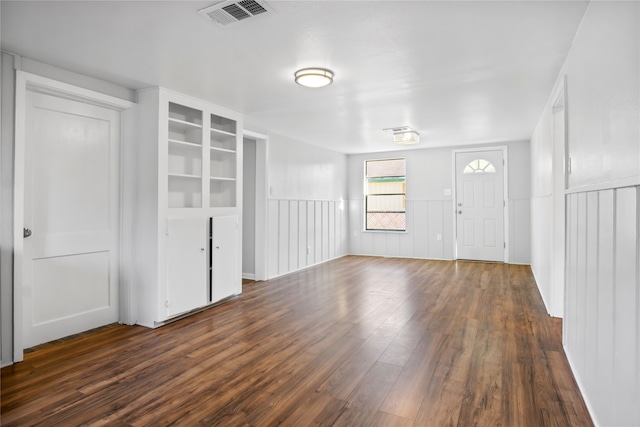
x=225 y=279
x=480 y=205
x=71 y=217
x=186 y=264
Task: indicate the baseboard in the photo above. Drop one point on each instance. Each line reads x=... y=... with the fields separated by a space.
x=585 y=397
x=249 y=276
x=304 y=268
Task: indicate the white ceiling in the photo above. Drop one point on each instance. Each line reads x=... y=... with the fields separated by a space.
x=458 y=72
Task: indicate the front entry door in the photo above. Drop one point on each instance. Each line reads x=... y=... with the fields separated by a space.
x=480 y=205
x=71 y=218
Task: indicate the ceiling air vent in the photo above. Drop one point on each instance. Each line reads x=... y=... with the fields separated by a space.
x=231 y=12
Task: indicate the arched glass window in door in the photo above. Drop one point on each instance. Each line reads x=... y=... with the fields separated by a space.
x=479 y=166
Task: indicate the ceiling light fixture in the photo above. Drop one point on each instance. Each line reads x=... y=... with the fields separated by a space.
x=406 y=138
x=314 y=77
x=404 y=135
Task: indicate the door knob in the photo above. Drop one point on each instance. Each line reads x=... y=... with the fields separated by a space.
x=26 y=232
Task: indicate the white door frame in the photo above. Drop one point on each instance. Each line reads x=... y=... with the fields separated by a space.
x=31 y=82
x=506 y=195
x=262 y=188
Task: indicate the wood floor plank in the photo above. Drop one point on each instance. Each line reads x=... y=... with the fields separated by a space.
x=358 y=341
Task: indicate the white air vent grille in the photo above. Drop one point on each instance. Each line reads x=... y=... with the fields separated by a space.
x=231 y=12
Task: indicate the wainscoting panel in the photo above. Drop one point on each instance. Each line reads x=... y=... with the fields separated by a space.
x=300 y=226
x=602 y=322
x=302 y=235
x=429 y=232
x=294 y=242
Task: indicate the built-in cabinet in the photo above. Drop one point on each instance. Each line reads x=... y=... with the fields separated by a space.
x=188 y=164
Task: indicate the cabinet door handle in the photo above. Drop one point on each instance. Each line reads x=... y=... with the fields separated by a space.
x=201 y=249
x=217 y=247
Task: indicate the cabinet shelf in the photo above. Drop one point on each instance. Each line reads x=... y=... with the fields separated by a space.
x=222 y=132
x=181 y=125
x=185 y=144
x=182 y=175
x=221 y=178
x=224 y=150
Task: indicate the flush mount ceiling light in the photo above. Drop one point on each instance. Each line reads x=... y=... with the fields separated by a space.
x=314 y=77
x=406 y=138
x=404 y=135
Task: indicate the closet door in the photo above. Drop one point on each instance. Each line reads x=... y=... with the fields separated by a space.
x=186 y=265
x=225 y=279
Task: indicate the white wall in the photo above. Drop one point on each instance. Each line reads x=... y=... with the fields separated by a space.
x=602 y=289
x=429 y=211
x=307 y=220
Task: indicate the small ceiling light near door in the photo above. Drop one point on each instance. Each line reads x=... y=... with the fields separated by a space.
x=406 y=138
x=314 y=77
x=404 y=135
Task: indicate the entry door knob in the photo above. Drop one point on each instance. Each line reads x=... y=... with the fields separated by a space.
x=26 y=232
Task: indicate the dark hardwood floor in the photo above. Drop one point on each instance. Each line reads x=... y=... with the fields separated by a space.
x=354 y=342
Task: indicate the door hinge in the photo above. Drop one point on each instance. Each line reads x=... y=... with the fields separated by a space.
x=504 y=245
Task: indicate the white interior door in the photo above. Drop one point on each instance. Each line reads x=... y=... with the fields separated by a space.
x=70 y=263
x=225 y=280
x=480 y=205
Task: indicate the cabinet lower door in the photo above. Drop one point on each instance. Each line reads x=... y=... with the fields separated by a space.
x=186 y=265
x=225 y=278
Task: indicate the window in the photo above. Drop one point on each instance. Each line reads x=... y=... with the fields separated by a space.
x=479 y=166
x=385 y=187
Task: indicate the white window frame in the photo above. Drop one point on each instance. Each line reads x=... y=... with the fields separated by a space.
x=365 y=195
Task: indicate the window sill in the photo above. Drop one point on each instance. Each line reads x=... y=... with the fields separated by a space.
x=385 y=231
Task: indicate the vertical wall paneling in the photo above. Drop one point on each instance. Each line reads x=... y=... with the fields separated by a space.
x=435 y=227
x=331 y=214
x=325 y=231
x=311 y=232
x=447 y=228
x=625 y=321
x=393 y=243
x=421 y=241
x=273 y=238
x=603 y=393
x=601 y=327
x=581 y=276
x=355 y=226
x=318 y=231
x=591 y=289
x=405 y=240
x=293 y=236
x=283 y=237
x=298 y=226
x=302 y=234
x=571 y=266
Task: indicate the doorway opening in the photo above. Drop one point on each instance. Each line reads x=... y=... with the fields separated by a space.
x=254 y=206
